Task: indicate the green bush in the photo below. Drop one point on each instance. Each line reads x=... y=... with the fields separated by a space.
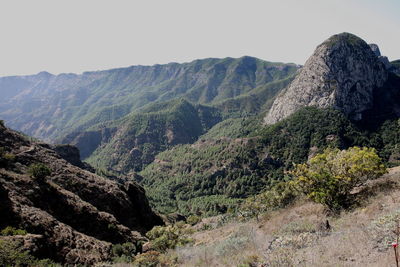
x=123 y=252
x=9 y=230
x=5 y=157
x=12 y=254
x=169 y=237
x=2 y=123
x=39 y=171
x=280 y=195
x=193 y=219
x=329 y=177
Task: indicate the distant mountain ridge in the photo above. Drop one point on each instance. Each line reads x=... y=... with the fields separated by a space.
x=48 y=106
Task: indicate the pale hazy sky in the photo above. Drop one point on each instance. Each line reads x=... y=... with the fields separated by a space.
x=80 y=35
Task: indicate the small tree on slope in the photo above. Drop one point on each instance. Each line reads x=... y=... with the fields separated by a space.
x=329 y=177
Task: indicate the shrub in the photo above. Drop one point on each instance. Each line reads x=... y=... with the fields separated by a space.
x=5 y=157
x=252 y=261
x=39 y=171
x=279 y=196
x=11 y=254
x=148 y=259
x=112 y=227
x=169 y=237
x=2 y=123
x=193 y=219
x=9 y=157
x=329 y=177
x=123 y=252
x=46 y=263
x=9 y=230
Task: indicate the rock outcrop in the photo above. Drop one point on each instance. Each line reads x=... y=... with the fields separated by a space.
x=74 y=214
x=72 y=155
x=383 y=59
x=342 y=73
x=395 y=67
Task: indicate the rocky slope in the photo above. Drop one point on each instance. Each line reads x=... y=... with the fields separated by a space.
x=73 y=216
x=47 y=106
x=342 y=73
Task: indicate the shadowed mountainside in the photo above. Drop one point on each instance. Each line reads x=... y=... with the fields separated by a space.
x=73 y=215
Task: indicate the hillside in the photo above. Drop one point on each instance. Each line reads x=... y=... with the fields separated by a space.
x=202 y=138
x=65 y=213
x=50 y=106
x=209 y=175
x=130 y=143
x=297 y=235
x=344 y=96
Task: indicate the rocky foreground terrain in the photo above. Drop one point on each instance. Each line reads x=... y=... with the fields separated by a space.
x=71 y=215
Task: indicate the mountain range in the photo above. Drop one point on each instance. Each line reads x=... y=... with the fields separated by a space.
x=199 y=137
x=49 y=106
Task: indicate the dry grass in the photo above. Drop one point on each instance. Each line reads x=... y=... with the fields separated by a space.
x=296 y=236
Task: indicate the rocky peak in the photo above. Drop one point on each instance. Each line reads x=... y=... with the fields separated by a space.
x=342 y=73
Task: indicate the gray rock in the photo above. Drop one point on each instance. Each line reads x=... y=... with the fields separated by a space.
x=385 y=62
x=375 y=49
x=342 y=73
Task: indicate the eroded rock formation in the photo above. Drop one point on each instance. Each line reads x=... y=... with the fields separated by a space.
x=342 y=73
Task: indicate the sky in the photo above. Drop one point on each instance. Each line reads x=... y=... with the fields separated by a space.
x=83 y=35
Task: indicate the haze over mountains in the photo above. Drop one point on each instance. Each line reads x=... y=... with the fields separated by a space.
x=48 y=106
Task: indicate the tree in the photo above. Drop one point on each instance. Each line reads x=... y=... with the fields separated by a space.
x=329 y=177
x=170 y=236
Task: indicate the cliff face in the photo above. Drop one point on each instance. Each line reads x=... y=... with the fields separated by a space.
x=74 y=214
x=342 y=73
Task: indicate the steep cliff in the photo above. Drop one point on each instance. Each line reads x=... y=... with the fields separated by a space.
x=342 y=73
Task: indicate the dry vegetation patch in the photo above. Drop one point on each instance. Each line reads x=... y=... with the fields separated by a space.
x=298 y=235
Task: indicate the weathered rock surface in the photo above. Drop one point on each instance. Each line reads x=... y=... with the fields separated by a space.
x=395 y=67
x=375 y=49
x=383 y=59
x=77 y=214
x=342 y=73
x=72 y=155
